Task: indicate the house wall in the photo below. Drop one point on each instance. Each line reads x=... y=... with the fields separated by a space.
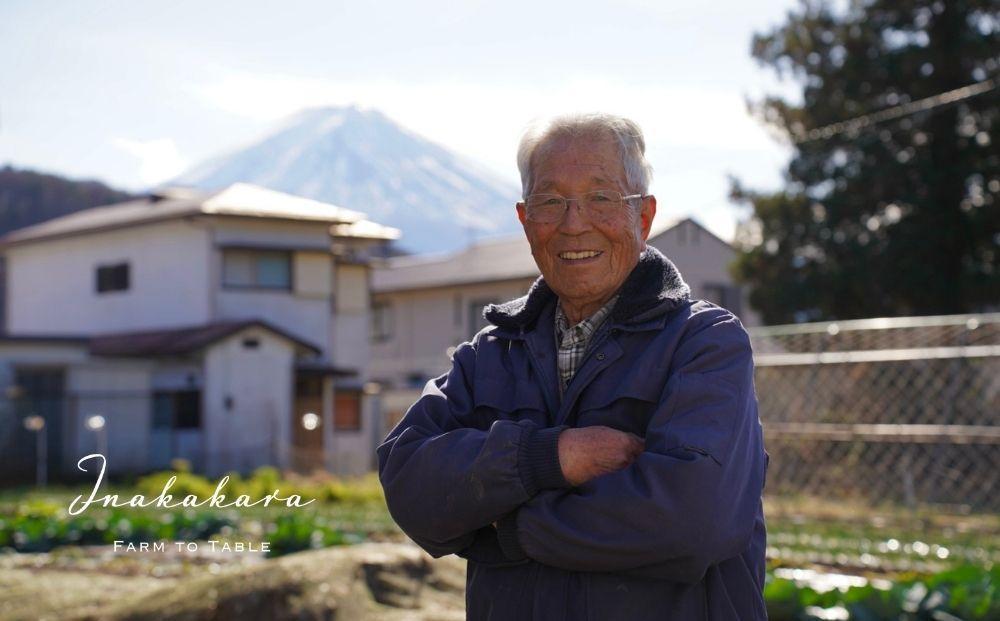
x=348 y=339
x=426 y=323
x=52 y=283
x=254 y=429
x=305 y=310
x=703 y=260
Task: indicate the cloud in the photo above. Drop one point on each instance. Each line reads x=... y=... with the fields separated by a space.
x=159 y=160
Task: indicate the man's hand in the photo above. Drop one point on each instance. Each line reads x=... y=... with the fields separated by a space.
x=588 y=452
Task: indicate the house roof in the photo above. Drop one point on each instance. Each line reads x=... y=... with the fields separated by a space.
x=365 y=229
x=506 y=258
x=42 y=338
x=239 y=199
x=497 y=259
x=179 y=341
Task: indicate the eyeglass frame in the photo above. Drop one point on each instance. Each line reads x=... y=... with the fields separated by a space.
x=566 y=201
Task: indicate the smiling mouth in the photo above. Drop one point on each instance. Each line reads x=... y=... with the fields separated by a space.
x=582 y=254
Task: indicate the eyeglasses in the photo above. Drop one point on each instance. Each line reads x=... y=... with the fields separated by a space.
x=600 y=205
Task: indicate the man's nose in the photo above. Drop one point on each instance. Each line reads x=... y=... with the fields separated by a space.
x=575 y=219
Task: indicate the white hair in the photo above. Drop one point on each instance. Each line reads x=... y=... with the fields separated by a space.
x=631 y=145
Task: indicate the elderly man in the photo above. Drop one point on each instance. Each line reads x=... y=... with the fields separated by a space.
x=596 y=452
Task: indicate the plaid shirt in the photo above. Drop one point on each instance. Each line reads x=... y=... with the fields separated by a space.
x=571 y=343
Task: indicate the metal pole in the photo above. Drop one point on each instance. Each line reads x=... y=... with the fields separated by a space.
x=102 y=442
x=42 y=453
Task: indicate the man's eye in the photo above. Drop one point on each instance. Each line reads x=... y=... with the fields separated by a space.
x=552 y=201
x=598 y=197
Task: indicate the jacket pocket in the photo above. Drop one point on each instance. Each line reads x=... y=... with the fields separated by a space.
x=511 y=400
x=624 y=404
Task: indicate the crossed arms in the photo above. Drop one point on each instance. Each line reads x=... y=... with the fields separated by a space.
x=592 y=498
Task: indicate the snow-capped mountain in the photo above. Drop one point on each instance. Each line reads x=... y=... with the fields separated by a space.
x=362 y=160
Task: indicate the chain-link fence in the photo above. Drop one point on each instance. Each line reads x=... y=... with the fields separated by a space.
x=904 y=410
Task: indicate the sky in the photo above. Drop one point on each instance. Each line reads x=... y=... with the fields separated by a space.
x=133 y=93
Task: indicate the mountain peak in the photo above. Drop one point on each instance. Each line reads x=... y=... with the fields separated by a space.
x=361 y=159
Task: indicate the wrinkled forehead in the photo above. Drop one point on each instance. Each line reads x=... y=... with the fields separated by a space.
x=592 y=159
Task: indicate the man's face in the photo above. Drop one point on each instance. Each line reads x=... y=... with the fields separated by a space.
x=571 y=167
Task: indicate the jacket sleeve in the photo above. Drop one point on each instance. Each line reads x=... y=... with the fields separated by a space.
x=450 y=468
x=690 y=500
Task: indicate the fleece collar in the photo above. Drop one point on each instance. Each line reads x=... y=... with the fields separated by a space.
x=653 y=288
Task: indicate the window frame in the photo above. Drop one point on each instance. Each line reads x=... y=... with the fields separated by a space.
x=254 y=254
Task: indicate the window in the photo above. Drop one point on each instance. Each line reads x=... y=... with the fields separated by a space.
x=476 y=320
x=259 y=269
x=381 y=321
x=347 y=410
x=416 y=379
x=112 y=277
x=177 y=409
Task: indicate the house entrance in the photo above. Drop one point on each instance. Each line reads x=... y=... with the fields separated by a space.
x=307 y=424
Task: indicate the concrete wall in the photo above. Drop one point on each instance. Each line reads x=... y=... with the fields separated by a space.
x=305 y=310
x=426 y=323
x=52 y=284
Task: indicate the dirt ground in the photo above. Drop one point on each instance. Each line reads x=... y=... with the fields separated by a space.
x=384 y=581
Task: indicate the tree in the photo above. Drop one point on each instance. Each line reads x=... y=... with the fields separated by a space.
x=28 y=197
x=880 y=216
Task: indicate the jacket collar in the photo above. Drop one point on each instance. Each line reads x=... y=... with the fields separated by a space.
x=654 y=288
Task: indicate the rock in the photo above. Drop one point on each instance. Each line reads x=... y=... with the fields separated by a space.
x=370 y=581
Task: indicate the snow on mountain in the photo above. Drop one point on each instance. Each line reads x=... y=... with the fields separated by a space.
x=360 y=159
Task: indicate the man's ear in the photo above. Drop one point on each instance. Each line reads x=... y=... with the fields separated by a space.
x=520 y=212
x=647 y=212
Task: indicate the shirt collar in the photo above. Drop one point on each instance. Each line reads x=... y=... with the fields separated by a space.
x=588 y=326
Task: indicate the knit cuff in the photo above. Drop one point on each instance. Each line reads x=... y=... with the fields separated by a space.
x=507 y=537
x=538 y=460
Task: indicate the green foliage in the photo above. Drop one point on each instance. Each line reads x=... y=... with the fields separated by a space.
x=39 y=523
x=894 y=218
x=42 y=532
x=186 y=483
x=264 y=481
x=364 y=489
x=961 y=594
x=294 y=532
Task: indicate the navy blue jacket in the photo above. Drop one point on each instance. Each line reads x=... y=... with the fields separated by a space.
x=678 y=534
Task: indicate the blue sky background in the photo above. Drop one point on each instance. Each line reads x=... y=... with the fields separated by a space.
x=132 y=93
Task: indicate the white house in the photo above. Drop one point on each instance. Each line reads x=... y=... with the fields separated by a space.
x=423 y=306
x=199 y=325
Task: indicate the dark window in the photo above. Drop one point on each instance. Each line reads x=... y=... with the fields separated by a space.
x=179 y=409
x=416 y=379
x=112 y=277
x=382 y=321
x=476 y=320
x=347 y=410
x=258 y=269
